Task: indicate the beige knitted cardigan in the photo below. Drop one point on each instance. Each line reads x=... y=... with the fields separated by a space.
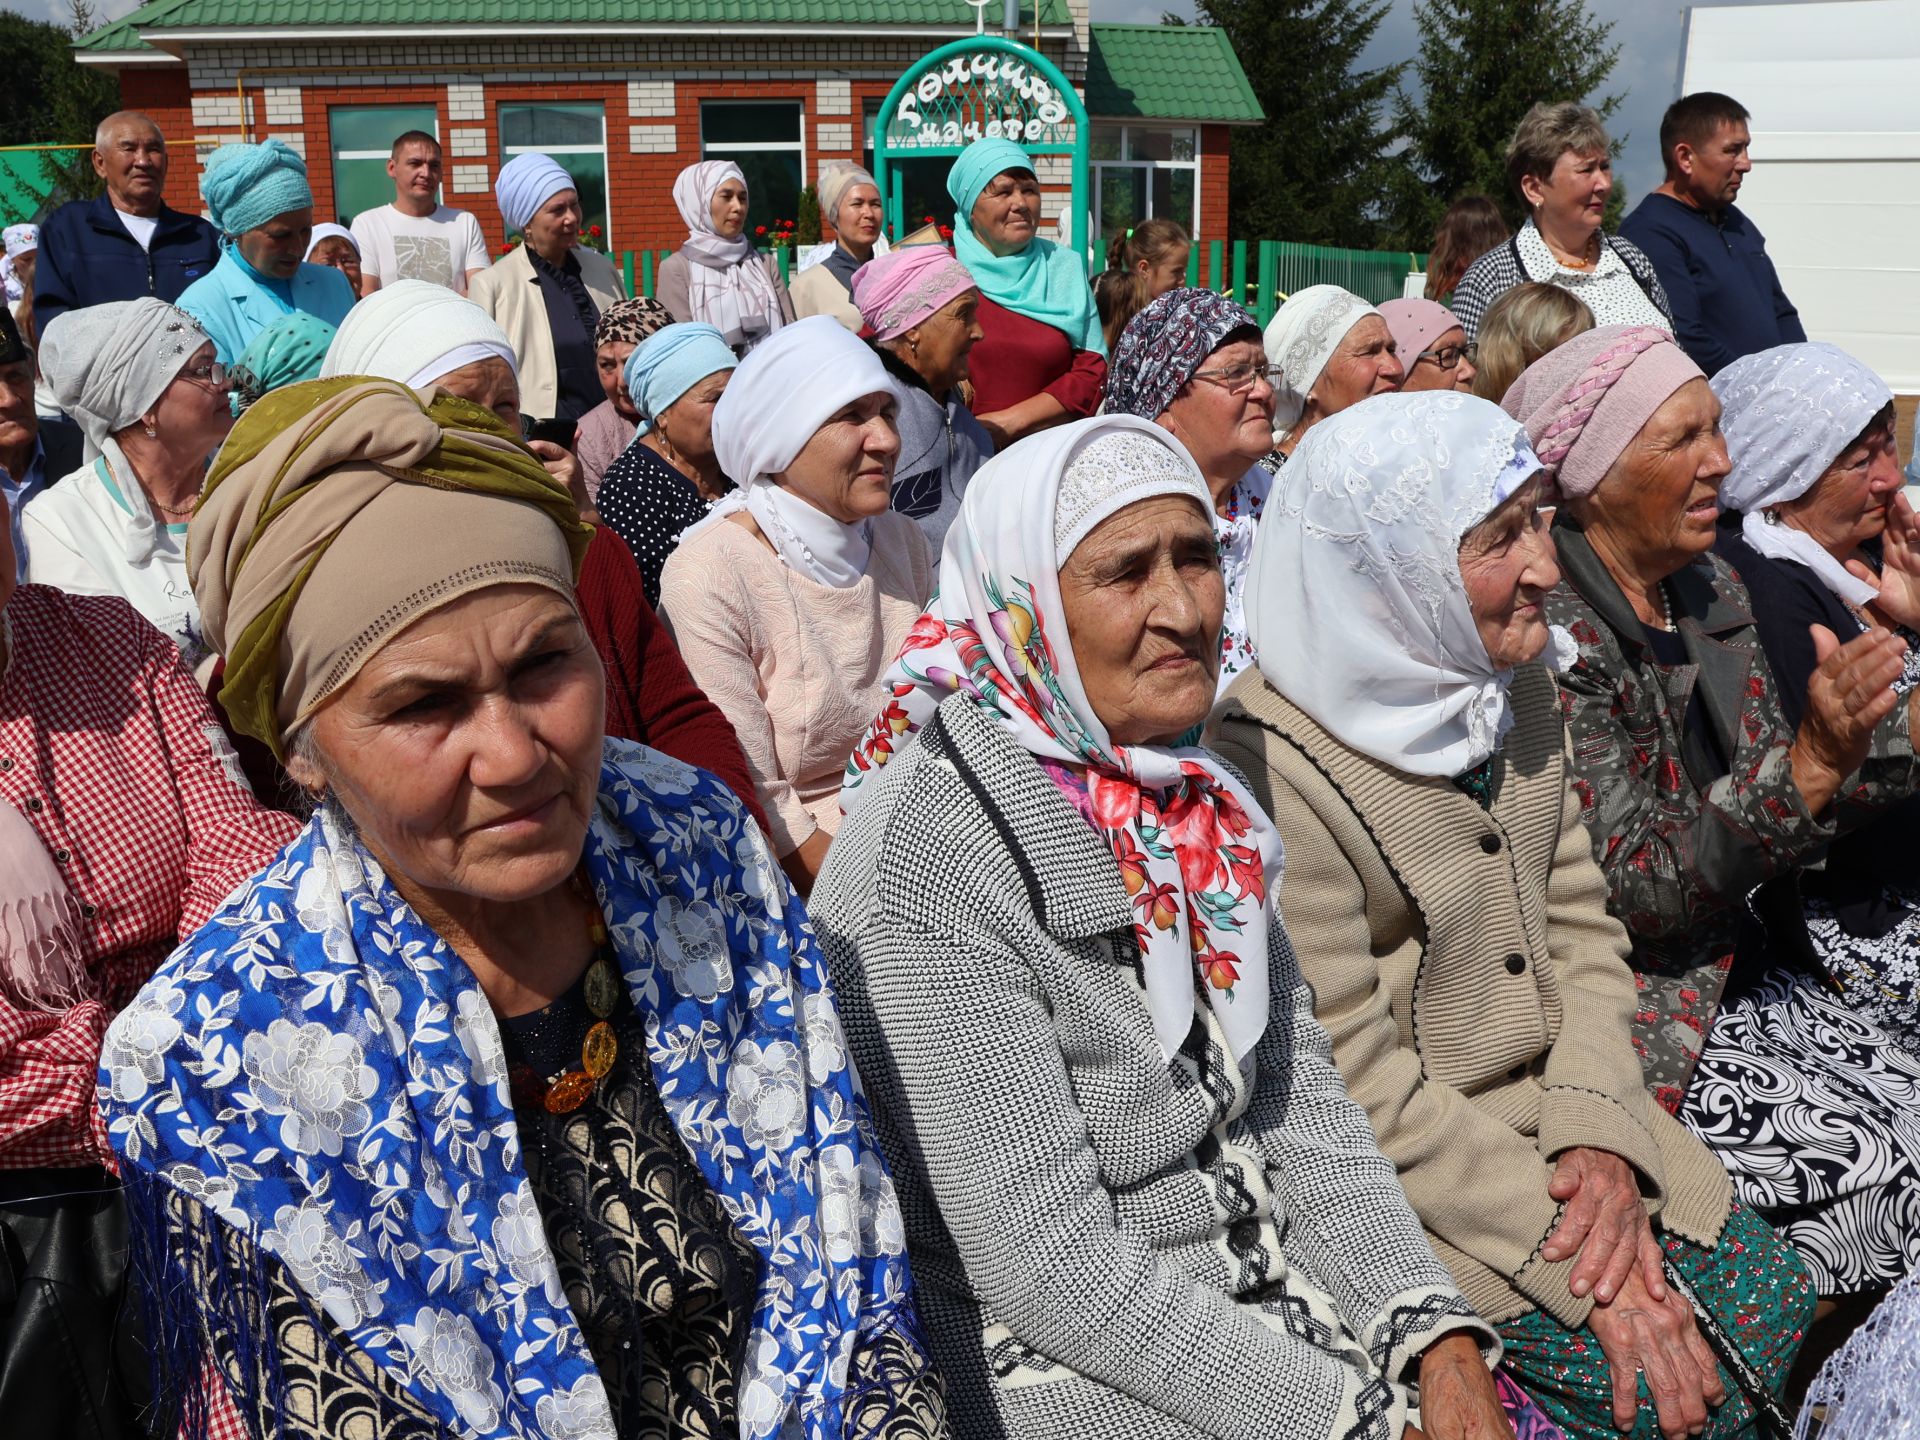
x=1475 y=987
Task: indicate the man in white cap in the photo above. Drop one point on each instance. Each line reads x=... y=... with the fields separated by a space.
x=416 y=237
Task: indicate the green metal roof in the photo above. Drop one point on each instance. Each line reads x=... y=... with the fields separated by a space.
x=1168 y=72
x=123 y=35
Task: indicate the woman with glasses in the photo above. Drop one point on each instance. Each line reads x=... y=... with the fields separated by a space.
x=141 y=379
x=1430 y=345
x=1194 y=363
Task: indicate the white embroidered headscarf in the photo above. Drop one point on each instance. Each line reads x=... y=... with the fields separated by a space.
x=1789 y=413
x=1301 y=338
x=781 y=394
x=1354 y=599
x=727 y=285
x=1198 y=856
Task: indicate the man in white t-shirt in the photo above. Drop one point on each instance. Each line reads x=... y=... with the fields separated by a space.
x=416 y=237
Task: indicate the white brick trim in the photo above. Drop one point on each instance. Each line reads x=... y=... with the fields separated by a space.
x=653 y=139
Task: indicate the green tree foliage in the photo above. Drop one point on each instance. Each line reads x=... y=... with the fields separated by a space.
x=50 y=98
x=1315 y=171
x=1481 y=64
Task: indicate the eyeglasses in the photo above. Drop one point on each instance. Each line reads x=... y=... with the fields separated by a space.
x=1449 y=357
x=1240 y=378
x=213 y=375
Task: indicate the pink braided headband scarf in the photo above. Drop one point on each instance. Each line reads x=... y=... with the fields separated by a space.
x=1583 y=403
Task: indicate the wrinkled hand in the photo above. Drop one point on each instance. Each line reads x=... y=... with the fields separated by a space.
x=1638 y=1333
x=564 y=466
x=1457 y=1398
x=1604 y=1224
x=1849 y=693
x=1899 y=579
x=995 y=424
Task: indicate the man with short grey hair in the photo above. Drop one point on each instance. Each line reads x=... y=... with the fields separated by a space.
x=127 y=243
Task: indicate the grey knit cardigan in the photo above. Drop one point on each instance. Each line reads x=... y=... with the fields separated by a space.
x=1106 y=1243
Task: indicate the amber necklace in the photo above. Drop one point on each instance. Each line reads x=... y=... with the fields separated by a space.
x=567 y=1090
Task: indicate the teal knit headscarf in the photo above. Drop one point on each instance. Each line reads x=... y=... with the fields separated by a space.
x=245 y=186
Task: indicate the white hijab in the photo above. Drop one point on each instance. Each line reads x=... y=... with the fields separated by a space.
x=1789 y=413
x=780 y=395
x=1354 y=599
x=1301 y=338
x=727 y=286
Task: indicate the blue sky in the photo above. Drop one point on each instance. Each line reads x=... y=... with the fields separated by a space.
x=1648 y=71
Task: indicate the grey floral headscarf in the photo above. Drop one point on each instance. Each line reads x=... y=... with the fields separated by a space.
x=1164 y=344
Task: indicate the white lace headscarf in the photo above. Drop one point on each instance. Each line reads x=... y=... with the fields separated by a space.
x=1301 y=338
x=1354 y=599
x=1788 y=414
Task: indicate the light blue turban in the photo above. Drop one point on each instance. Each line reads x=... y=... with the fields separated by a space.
x=525 y=183
x=976 y=166
x=245 y=186
x=670 y=362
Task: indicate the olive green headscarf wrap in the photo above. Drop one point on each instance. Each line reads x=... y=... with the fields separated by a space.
x=340 y=511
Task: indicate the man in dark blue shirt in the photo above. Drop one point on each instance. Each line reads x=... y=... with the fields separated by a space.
x=1712 y=261
x=129 y=242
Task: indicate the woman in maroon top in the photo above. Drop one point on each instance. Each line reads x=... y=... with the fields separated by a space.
x=1042 y=361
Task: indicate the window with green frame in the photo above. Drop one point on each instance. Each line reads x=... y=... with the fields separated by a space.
x=574 y=133
x=361 y=137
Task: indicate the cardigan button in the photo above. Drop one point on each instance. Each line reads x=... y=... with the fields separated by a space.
x=6 y=762
x=1490 y=844
x=34 y=805
x=87 y=912
x=1516 y=964
x=1244 y=1235
x=63 y=856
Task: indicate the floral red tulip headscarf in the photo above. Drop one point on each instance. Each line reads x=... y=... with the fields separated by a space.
x=1199 y=858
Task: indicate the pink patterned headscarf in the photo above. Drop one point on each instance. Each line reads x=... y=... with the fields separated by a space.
x=1583 y=403
x=904 y=288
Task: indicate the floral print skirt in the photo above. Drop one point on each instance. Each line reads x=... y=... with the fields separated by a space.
x=1752 y=1281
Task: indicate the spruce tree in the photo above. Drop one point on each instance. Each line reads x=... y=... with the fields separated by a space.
x=1481 y=65
x=1315 y=171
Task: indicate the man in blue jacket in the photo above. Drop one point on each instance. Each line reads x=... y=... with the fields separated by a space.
x=1711 y=260
x=129 y=242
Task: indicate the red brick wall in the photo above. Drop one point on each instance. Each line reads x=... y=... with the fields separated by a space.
x=1216 y=142
x=162 y=93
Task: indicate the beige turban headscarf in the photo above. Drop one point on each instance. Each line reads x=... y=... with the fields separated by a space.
x=341 y=511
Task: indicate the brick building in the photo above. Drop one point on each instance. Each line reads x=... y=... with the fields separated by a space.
x=627 y=92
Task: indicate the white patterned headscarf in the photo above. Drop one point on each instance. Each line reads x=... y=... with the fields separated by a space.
x=1354 y=599
x=727 y=285
x=1301 y=338
x=1199 y=857
x=1789 y=413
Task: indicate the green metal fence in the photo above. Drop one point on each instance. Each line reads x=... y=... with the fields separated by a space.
x=1258 y=273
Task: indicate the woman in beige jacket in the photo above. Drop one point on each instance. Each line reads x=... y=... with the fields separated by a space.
x=548 y=292
x=1448 y=914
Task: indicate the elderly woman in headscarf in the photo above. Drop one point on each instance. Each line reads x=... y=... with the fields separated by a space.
x=1451 y=922
x=1820 y=535
x=1329 y=349
x=549 y=291
x=850 y=203
x=668 y=478
x=141 y=378
x=258 y=199
x=922 y=309
x=795 y=592
x=717 y=278
x=448 y=1011
x=336 y=245
x=1042 y=359
x=1697 y=792
x=609 y=427
x=1430 y=345
x=290 y=350
x=122 y=826
x=1195 y=363
x=427 y=337
x=17 y=263
x=1139 y=1199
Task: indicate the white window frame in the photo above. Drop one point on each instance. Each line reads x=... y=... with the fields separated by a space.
x=1127 y=162
x=334 y=157
x=508 y=152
